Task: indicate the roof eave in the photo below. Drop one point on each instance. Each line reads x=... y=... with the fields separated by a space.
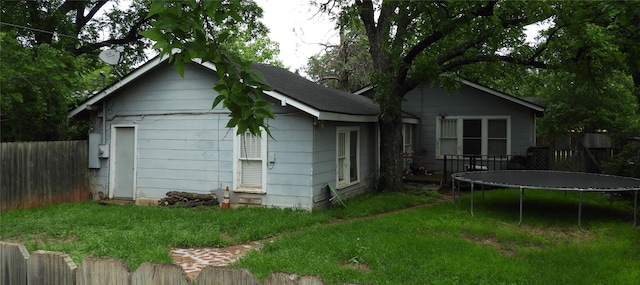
x=504 y=96
x=339 y=117
x=87 y=104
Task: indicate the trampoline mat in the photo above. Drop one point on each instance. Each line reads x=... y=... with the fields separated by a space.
x=552 y=180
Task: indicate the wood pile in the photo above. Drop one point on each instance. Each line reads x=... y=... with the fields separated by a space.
x=186 y=199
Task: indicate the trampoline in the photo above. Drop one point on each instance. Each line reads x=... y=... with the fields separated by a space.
x=550 y=180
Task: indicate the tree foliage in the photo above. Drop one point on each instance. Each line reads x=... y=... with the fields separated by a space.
x=588 y=81
x=413 y=42
x=589 y=51
x=346 y=66
x=49 y=60
x=189 y=30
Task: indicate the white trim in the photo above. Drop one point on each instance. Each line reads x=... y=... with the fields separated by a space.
x=237 y=174
x=320 y=115
x=151 y=64
x=328 y=116
x=459 y=136
x=293 y=102
x=112 y=159
x=408 y=141
x=363 y=90
x=347 y=167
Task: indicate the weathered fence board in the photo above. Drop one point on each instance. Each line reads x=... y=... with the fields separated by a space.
x=94 y=271
x=215 y=275
x=42 y=173
x=280 y=278
x=159 y=274
x=13 y=263
x=47 y=267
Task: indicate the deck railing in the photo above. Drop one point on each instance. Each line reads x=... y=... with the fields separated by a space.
x=460 y=163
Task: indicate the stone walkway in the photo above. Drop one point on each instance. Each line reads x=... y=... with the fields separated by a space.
x=192 y=260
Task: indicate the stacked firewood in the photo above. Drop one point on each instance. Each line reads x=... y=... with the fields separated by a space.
x=186 y=199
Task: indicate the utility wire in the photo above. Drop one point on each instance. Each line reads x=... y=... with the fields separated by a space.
x=39 y=30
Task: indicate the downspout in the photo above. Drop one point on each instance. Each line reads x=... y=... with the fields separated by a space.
x=104 y=111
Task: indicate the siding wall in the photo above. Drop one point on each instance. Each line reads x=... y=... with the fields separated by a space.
x=183 y=145
x=289 y=178
x=427 y=103
x=325 y=161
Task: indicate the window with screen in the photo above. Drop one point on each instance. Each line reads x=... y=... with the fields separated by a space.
x=347 y=156
x=472 y=136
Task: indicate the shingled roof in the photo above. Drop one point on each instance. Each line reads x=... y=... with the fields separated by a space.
x=315 y=95
x=289 y=88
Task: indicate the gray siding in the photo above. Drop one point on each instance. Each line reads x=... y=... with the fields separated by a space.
x=289 y=179
x=325 y=161
x=429 y=102
x=182 y=143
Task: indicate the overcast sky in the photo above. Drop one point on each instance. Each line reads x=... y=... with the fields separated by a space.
x=300 y=30
x=297 y=27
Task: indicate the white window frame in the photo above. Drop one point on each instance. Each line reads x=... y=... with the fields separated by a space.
x=346 y=163
x=237 y=165
x=407 y=139
x=459 y=133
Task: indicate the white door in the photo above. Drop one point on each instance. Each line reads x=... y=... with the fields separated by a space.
x=122 y=174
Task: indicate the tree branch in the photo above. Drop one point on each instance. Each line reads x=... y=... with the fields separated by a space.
x=453 y=65
x=81 y=19
x=131 y=36
x=482 y=11
x=459 y=50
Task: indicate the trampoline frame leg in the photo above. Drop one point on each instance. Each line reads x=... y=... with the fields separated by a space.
x=635 y=210
x=580 y=211
x=472 y=198
x=453 y=191
x=521 y=196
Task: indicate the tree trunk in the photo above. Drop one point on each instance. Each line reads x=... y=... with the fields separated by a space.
x=391 y=154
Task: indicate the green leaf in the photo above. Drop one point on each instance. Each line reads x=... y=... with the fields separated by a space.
x=217 y=101
x=153 y=34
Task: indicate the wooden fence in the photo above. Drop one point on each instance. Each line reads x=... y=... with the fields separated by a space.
x=46 y=267
x=36 y=174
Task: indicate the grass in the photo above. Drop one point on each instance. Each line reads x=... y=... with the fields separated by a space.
x=439 y=244
x=144 y=233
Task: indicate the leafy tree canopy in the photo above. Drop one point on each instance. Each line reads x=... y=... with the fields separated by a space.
x=50 y=57
x=346 y=66
x=49 y=61
x=440 y=42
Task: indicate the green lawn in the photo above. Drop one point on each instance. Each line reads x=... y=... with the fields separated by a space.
x=438 y=244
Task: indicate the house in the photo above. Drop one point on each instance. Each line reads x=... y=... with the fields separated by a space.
x=153 y=132
x=472 y=122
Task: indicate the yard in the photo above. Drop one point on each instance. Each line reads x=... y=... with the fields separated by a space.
x=387 y=238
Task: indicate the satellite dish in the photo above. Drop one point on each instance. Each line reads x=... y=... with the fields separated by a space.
x=110 y=56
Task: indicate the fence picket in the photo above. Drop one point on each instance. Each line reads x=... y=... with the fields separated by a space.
x=48 y=267
x=216 y=275
x=159 y=274
x=13 y=261
x=102 y=271
x=281 y=278
x=42 y=173
x=17 y=267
